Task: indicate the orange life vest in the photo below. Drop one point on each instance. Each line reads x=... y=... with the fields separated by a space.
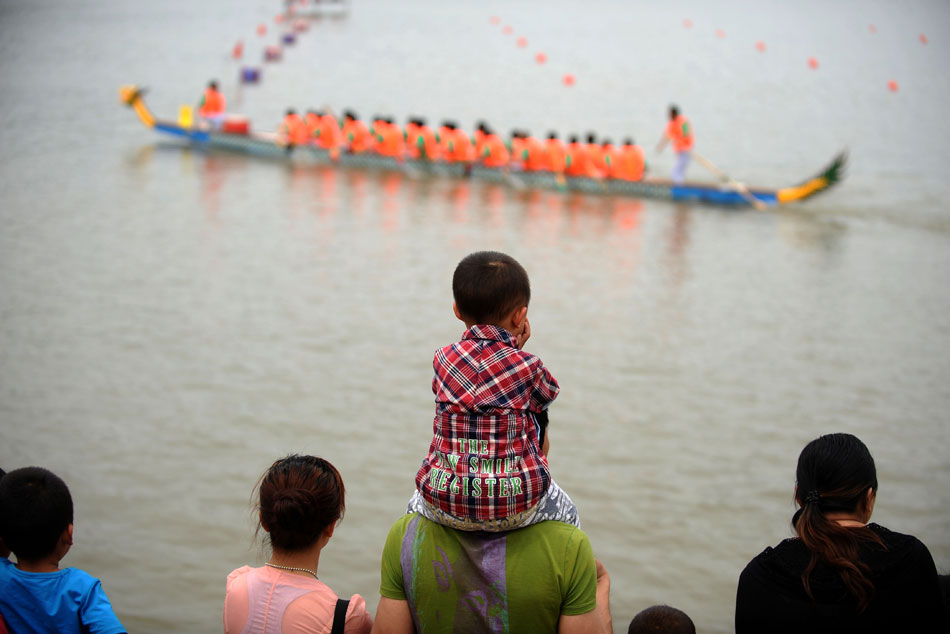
x=356 y=136
x=212 y=103
x=312 y=121
x=478 y=140
x=517 y=150
x=456 y=146
x=596 y=155
x=680 y=132
x=389 y=139
x=535 y=155
x=609 y=152
x=293 y=129
x=328 y=132
x=494 y=153
x=629 y=163
x=428 y=144
x=579 y=162
x=557 y=155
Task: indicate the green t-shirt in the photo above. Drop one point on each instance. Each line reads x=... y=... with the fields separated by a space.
x=515 y=581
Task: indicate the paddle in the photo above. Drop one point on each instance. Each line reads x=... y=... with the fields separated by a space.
x=739 y=187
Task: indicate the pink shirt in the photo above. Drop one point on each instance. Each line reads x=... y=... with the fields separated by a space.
x=267 y=600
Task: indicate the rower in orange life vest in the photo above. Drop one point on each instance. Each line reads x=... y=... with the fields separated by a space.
x=293 y=129
x=629 y=162
x=389 y=138
x=211 y=106
x=609 y=154
x=680 y=131
x=356 y=135
x=328 y=133
x=494 y=153
x=596 y=153
x=578 y=161
x=454 y=144
x=557 y=153
x=421 y=141
x=534 y=155
x=516 y=149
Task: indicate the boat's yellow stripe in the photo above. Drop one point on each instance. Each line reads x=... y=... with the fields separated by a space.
x=804 y=190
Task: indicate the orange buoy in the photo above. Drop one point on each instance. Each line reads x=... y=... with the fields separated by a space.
x=568 y=79
x=522 y=42
x=507 y=30
x=262 y=29
x=892 y=86
x=923 y=38
x=495 y=20
x=720 y=33
x=687 y=23
x=540 y=58
x=812 y=63
x=760 y=46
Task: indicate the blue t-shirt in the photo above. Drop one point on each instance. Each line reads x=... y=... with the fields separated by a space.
x=67 y=600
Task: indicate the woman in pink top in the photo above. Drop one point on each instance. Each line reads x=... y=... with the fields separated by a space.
x=300 y=502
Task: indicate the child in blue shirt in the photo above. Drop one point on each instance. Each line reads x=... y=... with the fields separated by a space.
x=36 y=523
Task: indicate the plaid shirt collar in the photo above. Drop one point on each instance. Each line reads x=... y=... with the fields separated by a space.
x=490 y=333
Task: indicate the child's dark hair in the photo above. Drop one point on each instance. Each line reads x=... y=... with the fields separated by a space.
x=488 y=285
x=298 y=498
x=35 y=509
x=661 y=618
x=834 y=474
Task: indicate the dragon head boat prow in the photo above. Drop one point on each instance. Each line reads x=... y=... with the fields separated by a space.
x=822 y=182
x=131 y=95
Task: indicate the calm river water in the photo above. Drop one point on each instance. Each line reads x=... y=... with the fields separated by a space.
x=172 y=321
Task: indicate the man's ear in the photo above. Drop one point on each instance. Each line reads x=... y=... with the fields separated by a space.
x=67 y=536
x=455 y=309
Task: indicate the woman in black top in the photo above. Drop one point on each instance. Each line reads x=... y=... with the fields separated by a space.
x=841 y=574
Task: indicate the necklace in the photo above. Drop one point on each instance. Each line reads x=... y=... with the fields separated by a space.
x=307 y=570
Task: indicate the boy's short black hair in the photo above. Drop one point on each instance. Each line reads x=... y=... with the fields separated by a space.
x=661 y=618
x=35 y=509
x=488 y=285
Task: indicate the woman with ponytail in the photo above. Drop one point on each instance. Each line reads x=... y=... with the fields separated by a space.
x=300 y=500
x=841 y=574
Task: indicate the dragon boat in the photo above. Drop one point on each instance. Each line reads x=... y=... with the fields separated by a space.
x=727 y=193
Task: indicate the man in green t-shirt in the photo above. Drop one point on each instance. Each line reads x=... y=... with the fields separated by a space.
x=541 y=578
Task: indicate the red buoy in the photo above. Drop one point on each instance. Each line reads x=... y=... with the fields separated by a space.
x=720 y=33
x=872 y=28
x=923 y=38
x=568 y=79
x=279 y=18
x=495 y=20
x=522 y=42
x=687 y=23
x=760 y=46
x=262 y=29
x=892 y=86
x=812 y=63
x=540 y=58
x=507 y=30
x=238 y=50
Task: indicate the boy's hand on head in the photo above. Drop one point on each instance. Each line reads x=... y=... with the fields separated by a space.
x=524 y=334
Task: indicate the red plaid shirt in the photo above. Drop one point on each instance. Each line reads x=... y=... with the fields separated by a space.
x=484 y=462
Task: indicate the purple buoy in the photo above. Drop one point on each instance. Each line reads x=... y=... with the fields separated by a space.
x=289 y=38
x=250 y=75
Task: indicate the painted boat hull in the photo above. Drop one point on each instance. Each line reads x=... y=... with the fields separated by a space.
x=267 y=146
